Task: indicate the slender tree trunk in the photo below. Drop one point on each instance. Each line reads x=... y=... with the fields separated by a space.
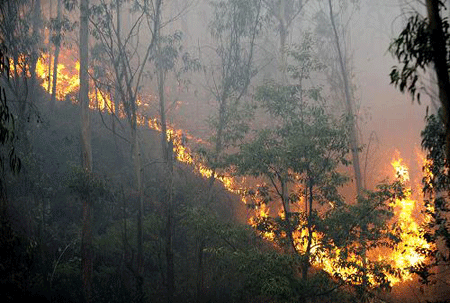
x=49 y=47
x=169 y=230
x=136 y=158
x=162 y=113
x=86 y=152
x=441 y=67
x=349 y=107
x=440 y=56
x=306 y=262
x=119 y=77
x=57 y=50
x=287 y=213
x=167 y=150
x=37 y=33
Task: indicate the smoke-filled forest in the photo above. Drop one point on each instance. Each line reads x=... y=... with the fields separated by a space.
x=247 y=151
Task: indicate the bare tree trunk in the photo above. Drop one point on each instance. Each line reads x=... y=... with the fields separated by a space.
x=349 y=106
x=86 y=152
x=440 y=64
x=57 y=50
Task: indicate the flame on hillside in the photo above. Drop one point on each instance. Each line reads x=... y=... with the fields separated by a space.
x=402 y=257
x=408 y=216
x=68 y=83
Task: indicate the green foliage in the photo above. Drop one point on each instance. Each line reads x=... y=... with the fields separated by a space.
x=305 y=62
x=412 y=48
x=436 y=184
x=86 y=184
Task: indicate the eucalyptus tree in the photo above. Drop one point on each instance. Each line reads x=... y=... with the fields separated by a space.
x=332 y=28
x=229 y=67
x=297 y=155
x=86 y=150
x=285 y=12
x=234 y=28
x=424 y=43
x=21 y=41
x=128 y=57
x=298 y=161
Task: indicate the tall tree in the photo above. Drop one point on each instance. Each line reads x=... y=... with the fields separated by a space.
x=235 y=28
x=440 y=53
x=424 y=42
x=284 y=12
x=349 y=102
x=86 y=151
x=37 y=34
x=128 y=66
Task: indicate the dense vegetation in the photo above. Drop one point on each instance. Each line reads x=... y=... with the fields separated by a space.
x=105 y=211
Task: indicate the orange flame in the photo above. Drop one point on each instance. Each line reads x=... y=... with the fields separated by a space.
x=402 y=257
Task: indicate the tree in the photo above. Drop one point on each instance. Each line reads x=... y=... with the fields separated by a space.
x=436 y=187
x=21 y=45
x=127 y=67
x=348 y=102
x=235 y=28
x=297 y=161
x=424 y=42
x=57 y=42
x=284 y=12
x=86 y=151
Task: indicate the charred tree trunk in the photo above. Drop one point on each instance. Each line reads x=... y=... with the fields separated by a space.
x=349 y=106
x=57 y=50
x=86 y=152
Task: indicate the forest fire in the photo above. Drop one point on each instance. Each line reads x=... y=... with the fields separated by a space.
x=401 y=258
x=406 y=255
x=68 y=83
x=408 y=217
x=224 y=151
